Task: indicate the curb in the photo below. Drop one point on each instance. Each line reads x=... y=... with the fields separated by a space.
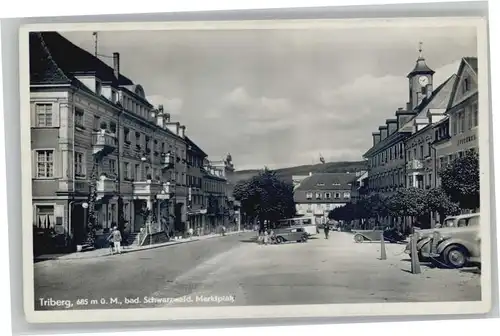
x=144 y=248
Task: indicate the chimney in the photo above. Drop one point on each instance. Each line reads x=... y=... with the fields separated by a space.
x=167 y=117
x=376 y=138
x=182 y=131
x=116 y=64
x=160 y=117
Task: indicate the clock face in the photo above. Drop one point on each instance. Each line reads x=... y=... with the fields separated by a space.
x=423 y=80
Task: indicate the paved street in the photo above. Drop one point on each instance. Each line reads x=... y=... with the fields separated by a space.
x=236 y=271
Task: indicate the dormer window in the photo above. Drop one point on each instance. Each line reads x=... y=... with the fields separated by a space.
x=318 y=196
x=309 y=195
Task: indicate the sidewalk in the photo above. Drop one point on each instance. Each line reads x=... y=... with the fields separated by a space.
x=102 y=252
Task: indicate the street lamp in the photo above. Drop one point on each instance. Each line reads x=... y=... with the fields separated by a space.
x=85 y=206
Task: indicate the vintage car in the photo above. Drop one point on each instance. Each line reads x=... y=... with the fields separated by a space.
x=391 y=235
x=297 y=234
x=454 y=244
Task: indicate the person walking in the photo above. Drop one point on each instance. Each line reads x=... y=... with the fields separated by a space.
x=326 y=229
x=116 y=238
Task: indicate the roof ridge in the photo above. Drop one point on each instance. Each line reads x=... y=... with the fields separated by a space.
x=50 y=58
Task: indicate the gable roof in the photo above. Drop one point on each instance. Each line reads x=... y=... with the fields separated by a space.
x=55 y=60
x=472 y=63
x=327 y=181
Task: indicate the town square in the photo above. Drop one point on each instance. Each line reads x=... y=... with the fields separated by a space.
x=195 y=173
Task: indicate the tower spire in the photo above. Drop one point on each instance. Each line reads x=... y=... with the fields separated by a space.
x=420 y=44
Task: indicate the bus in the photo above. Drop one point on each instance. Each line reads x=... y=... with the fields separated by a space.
x=308 y=223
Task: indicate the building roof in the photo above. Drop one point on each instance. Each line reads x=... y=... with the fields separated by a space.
x=327 y=181
x=421 y=68
x=472 y=61
x=439 y=98
x=440 y=95
x=55 y=60
x=194 y=147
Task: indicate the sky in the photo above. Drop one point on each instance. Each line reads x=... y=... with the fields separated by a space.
x=280 y=98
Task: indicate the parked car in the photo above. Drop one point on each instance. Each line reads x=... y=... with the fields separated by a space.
x=390 y=234
x=296 y=234
x=454 y=244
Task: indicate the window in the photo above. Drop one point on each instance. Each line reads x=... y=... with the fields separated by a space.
x=414 y=153
x=347 y=194
x=126 y=135
x=461 y=121
x=138 y=139
x=390 y=153
x=328 y=195
x=137 y=172
x=309 y=195
x=337 y=195
x=126 y=170
x=79 y=164
x=43 y=115
x=112 y=127
x=474 y=115
x=465 y=85
x=44 y=217
x=429 y=147
x=79 y=117
x=429 y=182
x=409 y=155
x=96 y=123
x=44 y=163
x=410 y=181
x=454 y=125
x=318 y=196
x=112 y=166
x=421 y=151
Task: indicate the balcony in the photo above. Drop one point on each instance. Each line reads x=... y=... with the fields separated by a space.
x=147 y=188
x=414 y=165
x=167 y=160
x=103 y=142
x=105 y=187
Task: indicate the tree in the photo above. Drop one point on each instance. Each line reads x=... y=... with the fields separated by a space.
x=438 y=201
x=460 y=181
x=409 y=202
x=266 y=197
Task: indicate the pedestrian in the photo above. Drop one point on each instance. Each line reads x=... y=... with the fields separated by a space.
x=190 y=233
x=116 y=238
x=326 y=229
x=266 y=237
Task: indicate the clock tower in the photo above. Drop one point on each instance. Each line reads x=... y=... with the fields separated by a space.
x=420 y=80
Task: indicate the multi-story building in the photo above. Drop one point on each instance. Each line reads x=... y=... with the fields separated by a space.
x=420 y=164
x=92 y=127
x=392 y=165
x=232 y=219
x=214 y=190
x=457 y=133
x=197 y=210
x=320 y=193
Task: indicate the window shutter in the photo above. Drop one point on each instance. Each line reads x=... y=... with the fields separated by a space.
x=57 y=163
x=33 y=114
x=56 y=110
x=33 y=164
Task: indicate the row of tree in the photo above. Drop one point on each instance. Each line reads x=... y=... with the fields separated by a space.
x=267 y=197
x=459 y=190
